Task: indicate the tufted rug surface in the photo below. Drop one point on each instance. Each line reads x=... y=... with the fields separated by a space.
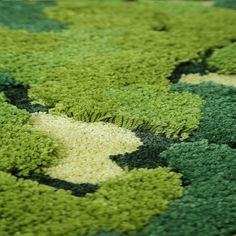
x=117 y=118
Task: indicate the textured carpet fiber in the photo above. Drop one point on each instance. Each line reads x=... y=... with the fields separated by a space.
x=117 y=118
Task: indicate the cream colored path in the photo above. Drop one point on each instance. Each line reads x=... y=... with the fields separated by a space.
x=229 y=80
x=86 y=147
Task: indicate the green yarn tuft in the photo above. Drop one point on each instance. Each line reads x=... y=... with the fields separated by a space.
x=224 y=60
x=23 y=151
x=208 y=201
x=114 y=61
x=121 y=204
x=218 y=123
x=225 y=3
x=27 y=15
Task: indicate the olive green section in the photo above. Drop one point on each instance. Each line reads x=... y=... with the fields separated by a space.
x=122 y=204
x=175 y=114
x=115 y=47
x=22 y=150
x=10 y=115
x=28 y=208
x=133 y=199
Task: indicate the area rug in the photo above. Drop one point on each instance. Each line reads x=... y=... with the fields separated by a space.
x=117 y=117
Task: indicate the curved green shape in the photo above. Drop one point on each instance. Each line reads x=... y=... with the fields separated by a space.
x=10 y=115
x=207 y=207
x=27 y=15
x=225 y=3
x=79 y=70
x=23 y=151
x=105 y=66
x=218 y=123
x=122 y=204
x=224 y=60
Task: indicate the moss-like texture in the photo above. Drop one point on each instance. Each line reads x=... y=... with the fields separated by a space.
x=175 y=114
x=23 y=150
x=86 y=148
x=224 y=60
x=207 y=207
x=79 y=69
x=15 y=15
x=128 y=202
x=226 y=3
x=115 y=62
x=122 y=204
x=31 y=209
x=79 y=190
x=17 y=94
x=10 y=115
x=228 y=80
x=148 y=154
x=6 y=80
x=17 y=44
x=218 y=123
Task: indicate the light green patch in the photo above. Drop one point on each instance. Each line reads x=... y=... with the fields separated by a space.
x=87 y=147
x=104 y=14
x=128 y=202
x=77 y=70
x=20 y=41
x=224 y=60
x=175 y=114
x=122 y=204
x=228 y=80
x=10 y=115
x=31 y=57
x=23 y=150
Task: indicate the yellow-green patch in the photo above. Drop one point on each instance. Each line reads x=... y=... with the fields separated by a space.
x=123 y=203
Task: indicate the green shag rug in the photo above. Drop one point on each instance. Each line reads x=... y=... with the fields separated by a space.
x=117 y=118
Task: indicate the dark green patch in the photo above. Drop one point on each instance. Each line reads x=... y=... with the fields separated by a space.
x=147 y=155
x=107 y=233
x=208 y=205
x=28 y=15
x=218 y=123
x=17 y=94
x=226 y=3
x=190 y=67
x=79 y=190
x=7 y=80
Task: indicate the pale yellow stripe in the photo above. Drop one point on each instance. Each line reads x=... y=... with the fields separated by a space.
x=229 y=80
